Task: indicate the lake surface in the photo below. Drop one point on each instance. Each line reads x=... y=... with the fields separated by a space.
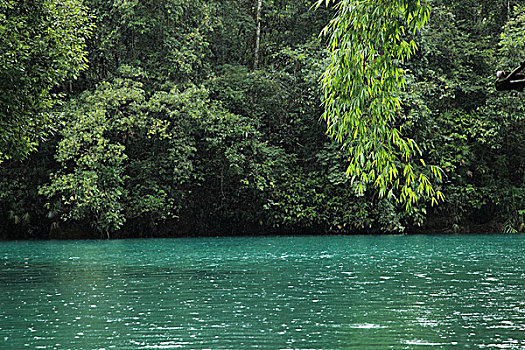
x=315 y=292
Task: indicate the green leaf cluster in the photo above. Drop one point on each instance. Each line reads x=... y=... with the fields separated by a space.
x=42 y=44
x=368 y=40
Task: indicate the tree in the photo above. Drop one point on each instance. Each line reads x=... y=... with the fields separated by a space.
x=368 y=42
x=257 y=34
x=167 y=39
x=41 y=44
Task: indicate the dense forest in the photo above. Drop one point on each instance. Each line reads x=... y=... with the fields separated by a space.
x=134 y=118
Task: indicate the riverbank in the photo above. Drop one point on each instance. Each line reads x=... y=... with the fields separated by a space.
x=66 y=231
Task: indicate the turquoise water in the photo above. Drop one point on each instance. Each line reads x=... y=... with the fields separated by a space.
x=315 y=292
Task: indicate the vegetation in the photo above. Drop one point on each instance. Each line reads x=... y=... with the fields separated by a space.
x=368 y=41
x=41 y=45
x=191 y=120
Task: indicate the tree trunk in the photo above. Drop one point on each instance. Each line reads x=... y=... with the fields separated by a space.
x=257 y=35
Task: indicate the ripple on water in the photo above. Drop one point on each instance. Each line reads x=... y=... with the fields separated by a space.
x=265 y=292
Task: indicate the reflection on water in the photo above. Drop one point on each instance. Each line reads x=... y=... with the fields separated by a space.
x=387 y=292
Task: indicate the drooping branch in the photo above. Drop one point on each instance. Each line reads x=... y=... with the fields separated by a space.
x=362 y=85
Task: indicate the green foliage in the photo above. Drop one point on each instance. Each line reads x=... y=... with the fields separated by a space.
x=362 y=84
x=473 y=132
x=167 y=39
x=125 y=157
x=42 y=43
x=170 y=131
x=90 y=182
x=512 y=43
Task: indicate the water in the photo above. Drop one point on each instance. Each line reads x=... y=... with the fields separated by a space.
x=325 y=292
